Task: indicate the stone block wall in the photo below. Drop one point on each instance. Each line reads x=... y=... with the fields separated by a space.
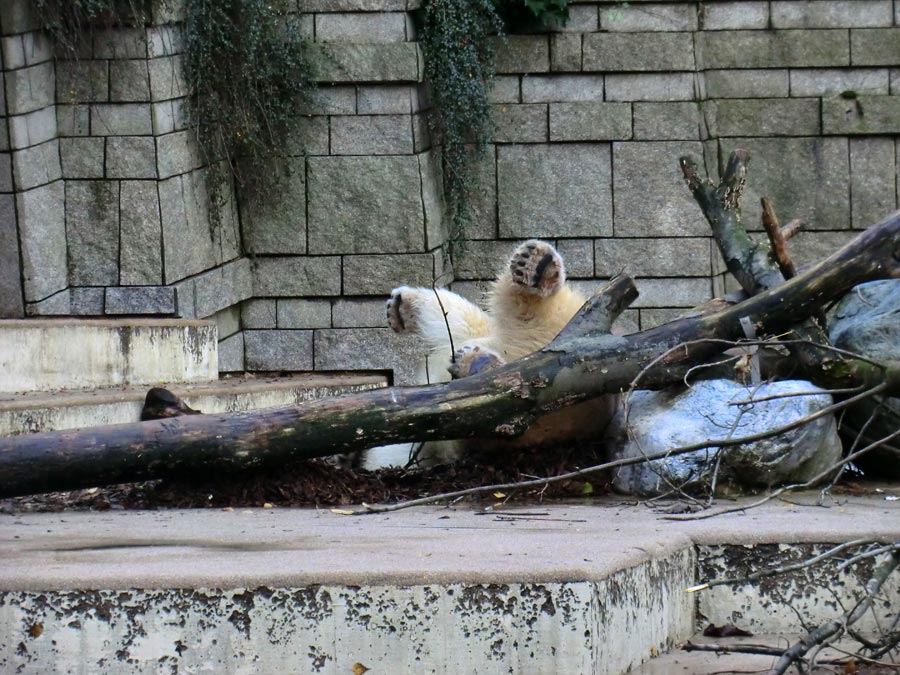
x=102 y=190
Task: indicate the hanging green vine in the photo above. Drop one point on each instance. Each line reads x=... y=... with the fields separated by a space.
x=459 y=68
x=71 y=23
x=249 y=71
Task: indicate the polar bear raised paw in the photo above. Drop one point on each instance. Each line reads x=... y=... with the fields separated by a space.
x=400 y=313
x=473 y=358
x=536 y=267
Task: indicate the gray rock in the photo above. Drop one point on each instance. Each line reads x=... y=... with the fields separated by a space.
x=81 y=157
x=367 y=349
x=92 y=230
x=130 y=157
x=231 y=354
x=555 y=190
x=42 y=233
x=11 y=304
x=867 y=321
x=141 y=256
x=665 y=420
x=278 y=349
x=188 y=248
x=365 y=205
x=140 y=300
x=277 y=222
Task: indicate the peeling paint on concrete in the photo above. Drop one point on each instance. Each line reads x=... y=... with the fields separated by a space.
x=577 y=627
x=775 y=604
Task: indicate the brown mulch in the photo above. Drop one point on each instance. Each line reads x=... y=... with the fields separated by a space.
x=320 y=482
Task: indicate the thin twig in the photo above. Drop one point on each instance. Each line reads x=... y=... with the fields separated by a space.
x=446 y=320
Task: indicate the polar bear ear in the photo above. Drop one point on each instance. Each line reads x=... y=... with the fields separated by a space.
x=537 y=268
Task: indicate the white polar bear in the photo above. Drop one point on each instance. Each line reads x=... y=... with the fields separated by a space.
x=528 y=305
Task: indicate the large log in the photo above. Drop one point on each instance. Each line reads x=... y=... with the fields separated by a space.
x=581 y=363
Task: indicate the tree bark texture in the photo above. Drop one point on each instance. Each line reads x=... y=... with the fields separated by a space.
x=583 y=362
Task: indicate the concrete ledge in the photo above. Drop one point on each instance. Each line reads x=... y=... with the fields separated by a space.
x=53 y=354
x=36 y=412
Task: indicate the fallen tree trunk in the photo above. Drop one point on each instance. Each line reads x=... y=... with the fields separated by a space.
x=579 y=364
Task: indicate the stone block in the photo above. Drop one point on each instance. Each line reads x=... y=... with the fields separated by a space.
x=832 y=14
x=73 y=120
x=92 y=232
x=875 y=46
x=331 y=99
x=578 y=255
x=276 y=350
x=140 y=234
x=505 y=89
x=37 y=165
x=34 y=128
x=81 y=157
x=679 y=292
x=42 y=235
x=11 y=301
x=168 y=116
x=481 y=259
x=431 y=176
x=648 y=17
x=650 y=201
x=818 y=82
x=610 y=52
x=259 y=313
x=121 y=119
x=129 y=81
x=767 y=83
x=775 y=49
x=763 y=117
x=565 y=52
x=554 y=190
x=519 y=122
x=357 y=313
x=177 y=153
x=861 y=115
x=367 y=349
x=808 y=248
x=551 y=88
x=421 y=133
x=29 y=88
x=300 y=313
x=231 y=354
x=27 y=49
x=371 y=135
x=391 y=62
x=873 y=172
x=361 y=28
x=386 y=99
x=297 y=276
x=6 y=173
x=582 y=19
x=522 y=54
x=590 y=121
x=228 y=321
x=165 y=40
x=651 y=87
x=277 y=223
x=82 y=81
x=130 y=157
x=79 y=301
x=365 y=205
x=658 y=121
x=222 y=287
x=658 y=257
x=651 y=318
x=187 y=240
x=167 y=80
x=806 y=178
x=140 y=300
x=17 y=17
x=735 y=15
x=120 y=43
x=56 y=305
x=379 y=274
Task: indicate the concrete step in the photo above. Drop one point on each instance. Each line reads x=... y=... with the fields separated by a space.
x=39 y=411
x=54 y=354
x=531 y=589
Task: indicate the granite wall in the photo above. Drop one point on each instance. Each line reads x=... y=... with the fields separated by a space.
x=102 y=190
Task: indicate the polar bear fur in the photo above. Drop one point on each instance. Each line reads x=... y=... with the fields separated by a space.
x=528 y=305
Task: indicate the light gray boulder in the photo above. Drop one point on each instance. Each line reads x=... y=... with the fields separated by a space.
x=676 y=417
x=867 y=322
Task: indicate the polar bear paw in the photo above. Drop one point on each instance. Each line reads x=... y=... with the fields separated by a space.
x=537 y=268
x=471 y=359
x=401 y=314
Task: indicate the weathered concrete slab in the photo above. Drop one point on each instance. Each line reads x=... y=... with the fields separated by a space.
x=51 y=354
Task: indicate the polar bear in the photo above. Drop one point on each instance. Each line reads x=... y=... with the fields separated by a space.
x=528 y=305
